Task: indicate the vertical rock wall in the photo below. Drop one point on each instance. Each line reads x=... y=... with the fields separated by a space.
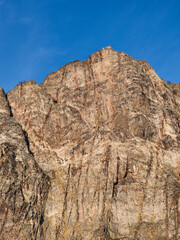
x=23 y=185
x=106 y=133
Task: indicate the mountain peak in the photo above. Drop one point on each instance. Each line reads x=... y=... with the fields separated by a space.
x=91 y=153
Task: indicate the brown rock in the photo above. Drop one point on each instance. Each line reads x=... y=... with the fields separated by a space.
x=23 y=185
x=4 y=107
x=106 y=131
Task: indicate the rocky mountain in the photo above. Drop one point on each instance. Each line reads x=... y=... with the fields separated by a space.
x=91 y=153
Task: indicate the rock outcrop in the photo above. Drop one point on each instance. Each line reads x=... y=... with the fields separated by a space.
x=91 y=153
x=23 y=185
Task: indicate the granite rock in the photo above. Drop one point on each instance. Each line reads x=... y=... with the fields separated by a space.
x=24 y=186
x=98 y=144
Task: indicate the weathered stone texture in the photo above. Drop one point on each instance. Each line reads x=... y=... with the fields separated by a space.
x=106 y=133
x=23 y=185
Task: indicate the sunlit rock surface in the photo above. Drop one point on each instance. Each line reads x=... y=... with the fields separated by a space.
x=23 y=185
x=91 y=153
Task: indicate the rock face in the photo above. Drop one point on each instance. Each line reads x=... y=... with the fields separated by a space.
x=23 y=185
x=91 y=153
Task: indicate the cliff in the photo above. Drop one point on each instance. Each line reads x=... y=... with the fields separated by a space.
x=91 y=153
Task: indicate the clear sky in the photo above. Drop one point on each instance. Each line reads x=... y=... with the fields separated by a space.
x=37 y=37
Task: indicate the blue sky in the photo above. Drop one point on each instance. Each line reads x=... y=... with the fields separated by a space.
x=39 y=36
